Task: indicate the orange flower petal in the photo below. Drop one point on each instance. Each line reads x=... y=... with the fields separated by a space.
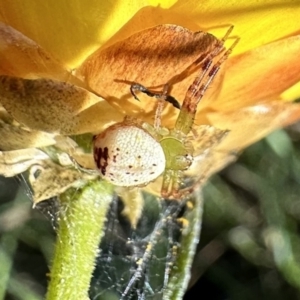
x=260 y=74
x=250 y=124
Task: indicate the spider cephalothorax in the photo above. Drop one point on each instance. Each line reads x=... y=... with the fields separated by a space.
x=134 y=153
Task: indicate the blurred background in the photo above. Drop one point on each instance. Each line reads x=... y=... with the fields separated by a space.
x=250 y=242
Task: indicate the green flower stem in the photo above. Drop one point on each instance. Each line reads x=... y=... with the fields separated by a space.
x=81 y=226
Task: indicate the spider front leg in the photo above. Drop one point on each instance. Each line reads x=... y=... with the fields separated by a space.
x=162 y=98
x=178 y=154
x=197 y=89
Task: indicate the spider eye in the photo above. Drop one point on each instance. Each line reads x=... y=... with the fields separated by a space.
x=127 y=155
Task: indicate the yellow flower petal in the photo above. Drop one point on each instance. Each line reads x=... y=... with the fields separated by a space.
x=73 y=30
x=257 y=22
x=292 y=93
x=69 y=29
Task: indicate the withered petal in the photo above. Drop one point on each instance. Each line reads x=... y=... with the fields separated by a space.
x=54 y=106
x=153 y=57
x=15 y=137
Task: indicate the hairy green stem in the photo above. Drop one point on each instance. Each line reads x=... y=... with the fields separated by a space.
x=81 y=226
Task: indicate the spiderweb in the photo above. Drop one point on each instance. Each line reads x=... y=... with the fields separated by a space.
x=136 y=263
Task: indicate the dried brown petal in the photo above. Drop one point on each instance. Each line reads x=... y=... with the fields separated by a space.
x=54 y=106
x=151 y=57
x=52 y=180
x=18 y=161
x=15 y=137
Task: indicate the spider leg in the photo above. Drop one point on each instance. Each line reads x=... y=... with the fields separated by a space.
x=168 y=224
x=138 y=87
x=197 y=89
x=210 y=76
x=173 y=175
x=82 y=169
x=207 y=62
x=172 y=180
x=142 y=263
x=160 y=106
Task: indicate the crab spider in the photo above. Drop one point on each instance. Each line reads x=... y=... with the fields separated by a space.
x=134 y=153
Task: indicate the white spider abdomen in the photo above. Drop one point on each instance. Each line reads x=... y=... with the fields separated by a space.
x=126 y=155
